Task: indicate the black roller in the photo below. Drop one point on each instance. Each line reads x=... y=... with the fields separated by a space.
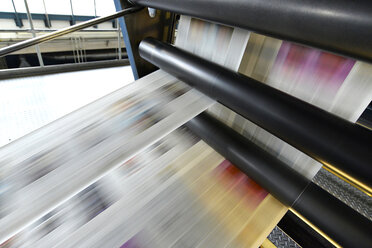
x=337 y=220
x=323 y=136
x=339 y=26
x=284 y=183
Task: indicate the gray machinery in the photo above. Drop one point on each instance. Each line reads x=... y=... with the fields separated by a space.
x=341 y=27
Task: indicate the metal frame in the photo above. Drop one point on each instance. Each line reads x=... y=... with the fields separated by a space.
x=35 y=71
x=18 y=17
x=73 y=21
x=40 y=39
x=139 y=26
x=37 y=48
x=128 y=45
x=47 y=21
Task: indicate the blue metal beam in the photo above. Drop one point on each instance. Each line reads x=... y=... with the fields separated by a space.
x=128 y=46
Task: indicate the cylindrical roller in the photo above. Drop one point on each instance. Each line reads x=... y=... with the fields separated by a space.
x=333 y=217
x=250 y=159
x=325 y=137
x=340 y=222
x=339 y=26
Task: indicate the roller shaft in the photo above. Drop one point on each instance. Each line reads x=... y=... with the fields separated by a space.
x=337 y=220
x=323 y=136
x=340 y=26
